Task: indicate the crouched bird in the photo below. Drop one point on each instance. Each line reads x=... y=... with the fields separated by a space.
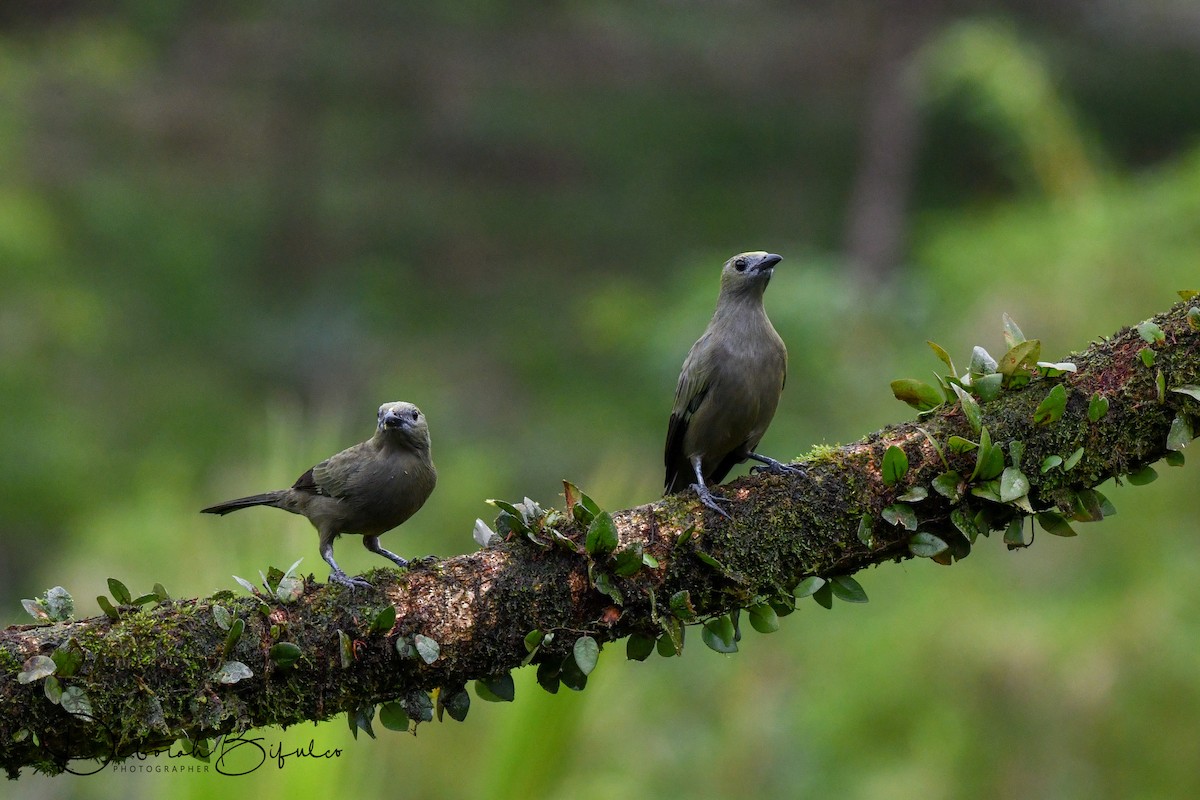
x=729 y=386
x=367 y=489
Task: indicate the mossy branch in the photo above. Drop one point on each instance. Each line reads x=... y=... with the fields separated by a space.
x=150 y=676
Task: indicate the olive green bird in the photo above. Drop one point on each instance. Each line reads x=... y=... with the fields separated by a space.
x=367 y=489
x=729 y=386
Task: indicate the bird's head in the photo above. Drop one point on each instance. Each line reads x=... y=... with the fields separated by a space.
x=748 y=272
x=404 y=422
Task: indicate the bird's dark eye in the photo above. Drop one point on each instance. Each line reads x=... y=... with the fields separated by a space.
x=415 y=414
x=740 y=265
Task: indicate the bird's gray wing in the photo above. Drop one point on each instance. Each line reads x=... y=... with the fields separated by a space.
x=689 y=394
x=331 y=478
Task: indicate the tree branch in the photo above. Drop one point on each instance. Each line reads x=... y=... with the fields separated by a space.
x=150 y=676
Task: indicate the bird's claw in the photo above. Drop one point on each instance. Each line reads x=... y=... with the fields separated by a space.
x=708 y=499
x=777 y=468
x=346 y=580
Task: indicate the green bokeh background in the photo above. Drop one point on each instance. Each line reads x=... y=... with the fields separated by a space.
x=229 y=231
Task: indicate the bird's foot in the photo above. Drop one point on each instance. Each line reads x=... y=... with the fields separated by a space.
x=346 y=580
x=773 y=467
x=707 y=498
x=402 y=563
x=424 y=561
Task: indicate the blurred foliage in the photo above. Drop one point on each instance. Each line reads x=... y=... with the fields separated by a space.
x=229 y=231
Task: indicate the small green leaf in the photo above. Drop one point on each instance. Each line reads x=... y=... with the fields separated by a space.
x=1072 y=460
x=222 y=618
x=427 y=648
x=75 y=701
x=718 y=634
x=496 y=690
x=232 y=672
x=1160 y=386
x=808 y=587
x=107 y=607
x=548 y=676
x=235 y=633
x=245 y=584
x=649 y=561
x=361 y=719
x=989 y=461
x=681 y=606
x=346 y=649
x=1191 y=390
x=119 y=592
x=1142 y=476
x=1180 y=435
x=1052 y=522
x=914 y=495
x=59 y=604
x=456 y=703
x=35 y=668
x=393 y=717
x=161 y=592
x=1016 y=453
x=1193 y=318
x=638 y=647
x=285 y=654
x=604 y=584
x=384 y=620
x=1051 y=409
x=866 y=524
x=53 y=689
x=37 y=610
x=1012 y=334
x=671 y=642
x=824 y=596
x=1147 y=356
x=1052 y=369
x=970 y=408
x=959 y=445
x=571 y=676
x=965 y=524
x=1150 y=332
x=1188 y=294
x=943 y=355
x=1051 y=462
x=1174 y=458
x=949 y=485
x=1013 y=484
x=988 y=387
x=601 y=535
x=901 y=514
x=918 y=394
x=628 y=560
x=1106 y=507
x=895 y=465
x=763 y=618
x=926 y=545
x=982 y=362
x=1097 y=407
x=533 y=640
x=1020 y=358
x=1014 y=534
x=586 y=652
x=710 y=561
x=846 y=588
x=1087 y=506
x=582 y=507
x=67 y=658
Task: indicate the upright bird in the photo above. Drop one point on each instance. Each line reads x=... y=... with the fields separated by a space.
x=729 y=386
x=366 y=489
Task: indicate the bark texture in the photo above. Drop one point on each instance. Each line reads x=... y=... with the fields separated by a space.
x=150 y=675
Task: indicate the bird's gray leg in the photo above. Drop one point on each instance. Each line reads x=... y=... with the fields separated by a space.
x=773 y=466
x=336 y=575
x=372 y=544
x=706 y=496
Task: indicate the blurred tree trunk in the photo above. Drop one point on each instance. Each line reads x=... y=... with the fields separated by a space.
x=153 y=677
x=877 y=217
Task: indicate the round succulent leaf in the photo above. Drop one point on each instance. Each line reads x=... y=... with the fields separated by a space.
x=763 y=618
x=918 y=394
x=848 y=590
x=586 y=652
x=285 y=654
x=393 y=716
x=719 y=635
x=638 y=647
x=496 y=690
x=926 y=545
x=35 y=668
x=895 y=465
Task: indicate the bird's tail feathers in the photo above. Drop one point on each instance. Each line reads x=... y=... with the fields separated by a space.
x=265 y=499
